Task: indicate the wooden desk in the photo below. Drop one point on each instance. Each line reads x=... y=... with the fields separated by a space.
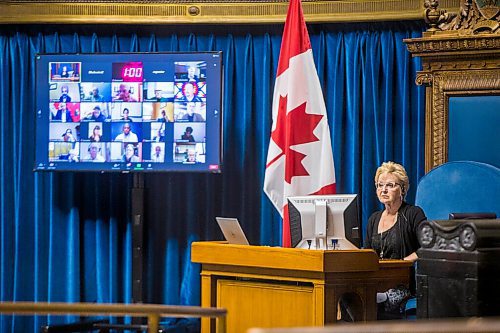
x=263 y=286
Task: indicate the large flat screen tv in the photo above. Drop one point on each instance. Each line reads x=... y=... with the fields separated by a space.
x=129 y=112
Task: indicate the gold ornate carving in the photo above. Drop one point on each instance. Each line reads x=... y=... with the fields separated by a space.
x=424 y=78
x=475 y=16
x=466 y=63
x=436 y=17
x=207 y=11
x=461 y=57
x=452 y=43
x=194 y=10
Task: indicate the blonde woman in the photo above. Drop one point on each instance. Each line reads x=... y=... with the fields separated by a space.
x=392 y=231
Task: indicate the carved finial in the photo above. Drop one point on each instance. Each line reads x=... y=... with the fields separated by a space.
x=475 y=16
x=434 y=16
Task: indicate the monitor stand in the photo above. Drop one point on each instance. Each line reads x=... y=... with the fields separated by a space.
x=320 y=225
x=137 y=204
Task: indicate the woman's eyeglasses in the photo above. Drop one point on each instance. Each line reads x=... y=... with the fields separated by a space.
x=389 y=186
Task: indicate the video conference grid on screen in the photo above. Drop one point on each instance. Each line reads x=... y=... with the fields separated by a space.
x=131 y=112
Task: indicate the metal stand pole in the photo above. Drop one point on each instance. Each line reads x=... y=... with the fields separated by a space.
x=137 y=204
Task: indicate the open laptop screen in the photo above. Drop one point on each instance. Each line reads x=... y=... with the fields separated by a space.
x=232 y=230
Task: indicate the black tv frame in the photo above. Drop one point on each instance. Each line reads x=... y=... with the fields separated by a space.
x=167 y=71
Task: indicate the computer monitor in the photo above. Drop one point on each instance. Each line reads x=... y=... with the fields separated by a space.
x=325 y=221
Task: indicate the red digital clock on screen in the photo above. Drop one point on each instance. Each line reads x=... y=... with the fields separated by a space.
x=132 y=72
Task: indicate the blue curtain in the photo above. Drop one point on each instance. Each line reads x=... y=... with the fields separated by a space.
x=68 y=236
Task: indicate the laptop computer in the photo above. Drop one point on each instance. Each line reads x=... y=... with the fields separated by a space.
x=232 y=230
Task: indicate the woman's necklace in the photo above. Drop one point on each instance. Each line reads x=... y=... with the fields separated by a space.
x=382 y=243
x=382 y=238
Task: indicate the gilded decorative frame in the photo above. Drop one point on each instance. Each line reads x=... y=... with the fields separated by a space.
x=449 y=84
x=460 y=57
x=206 y=11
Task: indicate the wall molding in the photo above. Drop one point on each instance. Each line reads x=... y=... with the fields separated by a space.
x=208 y=11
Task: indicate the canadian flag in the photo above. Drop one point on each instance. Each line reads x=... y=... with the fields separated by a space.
x=299 y=159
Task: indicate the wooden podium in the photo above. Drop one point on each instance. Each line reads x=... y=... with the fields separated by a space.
x=263 y=286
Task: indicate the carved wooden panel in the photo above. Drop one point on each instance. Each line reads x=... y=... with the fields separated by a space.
x=460 y=57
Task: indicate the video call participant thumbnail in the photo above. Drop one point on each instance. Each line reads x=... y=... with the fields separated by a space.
x=63 y=114
x=157 y=153
x=130 y=154
x=192 y=112
x=190 y=71
x=158 y=91
x=65 y=71
x=189 y=92
x=96 y=115
x=124 y=93
x=94 y=153
x=96 y=134
x=188 y=135
x=95 y=95
x=127 y=135
x=96 y=91
x=59 y=151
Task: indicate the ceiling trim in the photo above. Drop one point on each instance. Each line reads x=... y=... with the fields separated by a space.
x=209 y=12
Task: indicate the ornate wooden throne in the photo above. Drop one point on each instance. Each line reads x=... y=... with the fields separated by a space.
x=460 y=57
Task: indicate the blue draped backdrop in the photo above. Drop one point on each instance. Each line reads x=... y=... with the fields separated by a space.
x=68 y=236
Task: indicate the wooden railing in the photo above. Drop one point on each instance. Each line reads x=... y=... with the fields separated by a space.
x=449 y=325
x=153 y=312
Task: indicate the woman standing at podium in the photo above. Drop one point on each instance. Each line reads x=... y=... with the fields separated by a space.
x=392 y=232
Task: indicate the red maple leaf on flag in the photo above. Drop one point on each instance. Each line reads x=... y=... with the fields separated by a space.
x=293 y=128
